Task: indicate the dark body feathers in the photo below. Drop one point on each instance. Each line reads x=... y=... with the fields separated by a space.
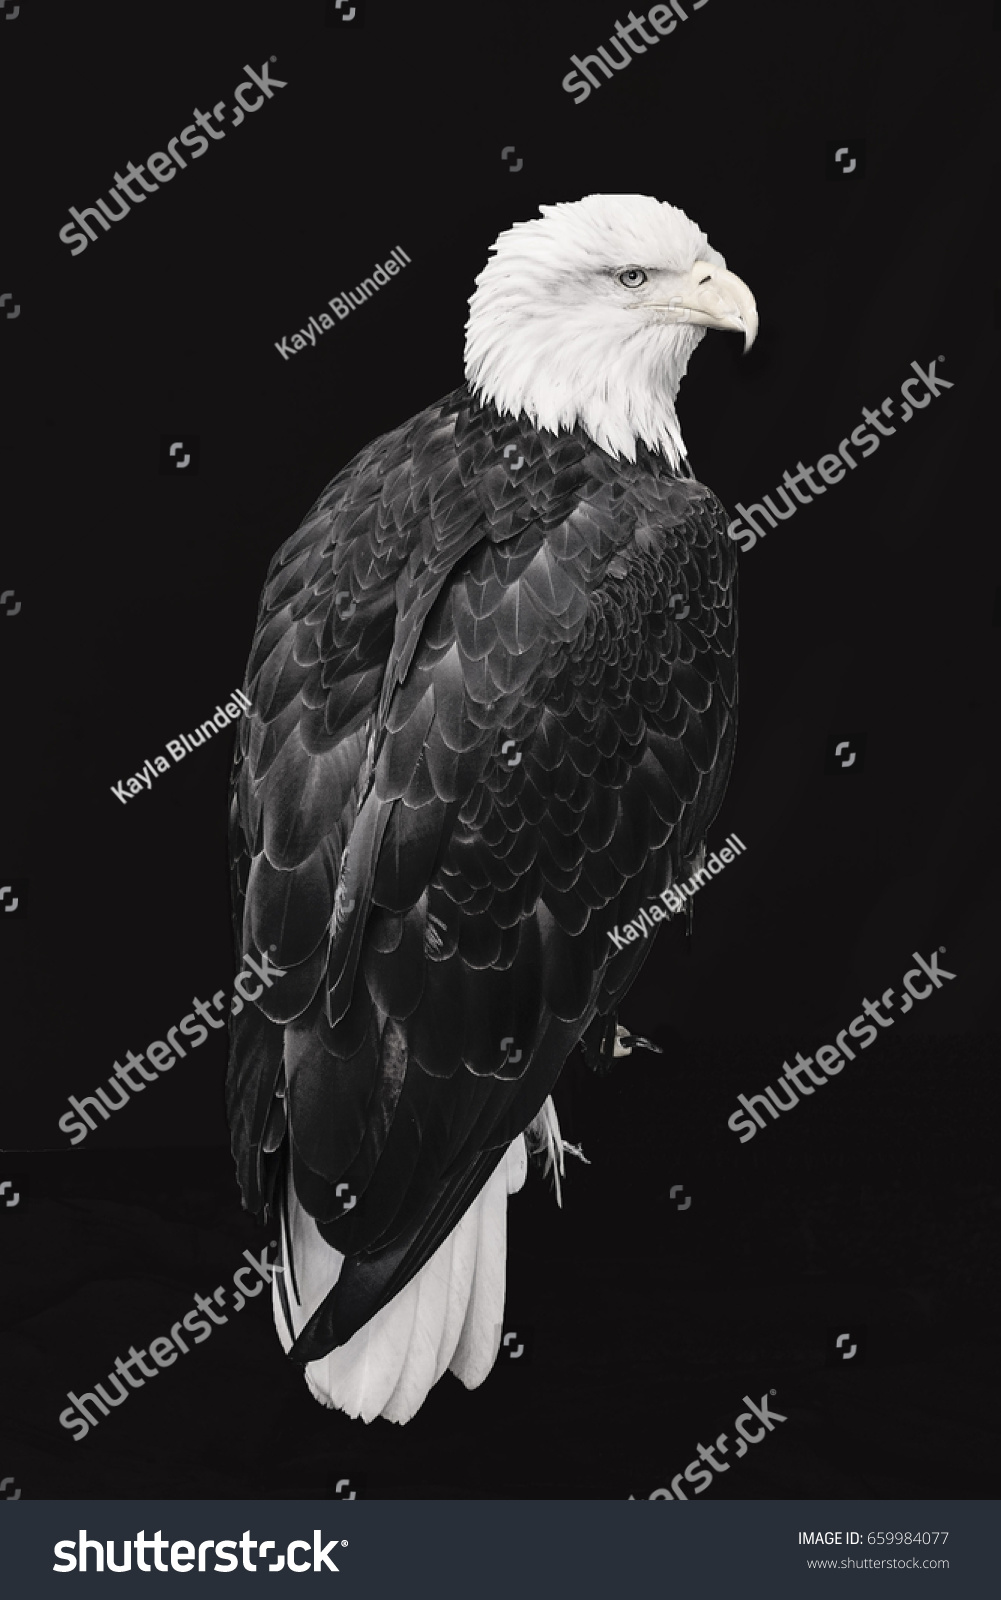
x=493 y=713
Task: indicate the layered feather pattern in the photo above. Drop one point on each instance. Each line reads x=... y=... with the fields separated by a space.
x=493 y=704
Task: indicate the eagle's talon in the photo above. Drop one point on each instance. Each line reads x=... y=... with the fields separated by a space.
x=626 y=1043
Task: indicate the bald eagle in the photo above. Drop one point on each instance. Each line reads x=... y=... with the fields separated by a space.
x=493 y=700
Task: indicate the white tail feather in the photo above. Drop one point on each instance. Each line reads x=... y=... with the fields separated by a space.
x=390 y=1365
x=417 y=1373
x=448 y=1317
x=463 y=1239
x=480 y=1339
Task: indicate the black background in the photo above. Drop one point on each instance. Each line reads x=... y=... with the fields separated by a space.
x=870 y=612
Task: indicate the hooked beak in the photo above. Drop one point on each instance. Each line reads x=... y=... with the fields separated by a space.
x=711 y=297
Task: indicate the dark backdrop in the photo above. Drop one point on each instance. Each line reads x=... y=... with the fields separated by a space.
x=869 y=616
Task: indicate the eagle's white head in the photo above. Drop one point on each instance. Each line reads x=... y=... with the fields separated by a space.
x=588 y=315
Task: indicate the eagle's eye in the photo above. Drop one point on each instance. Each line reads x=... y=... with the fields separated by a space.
x=632 y=277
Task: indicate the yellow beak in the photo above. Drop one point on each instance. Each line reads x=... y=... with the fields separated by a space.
x=711 y=297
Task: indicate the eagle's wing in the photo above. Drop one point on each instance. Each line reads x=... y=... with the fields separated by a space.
x=480 y=740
